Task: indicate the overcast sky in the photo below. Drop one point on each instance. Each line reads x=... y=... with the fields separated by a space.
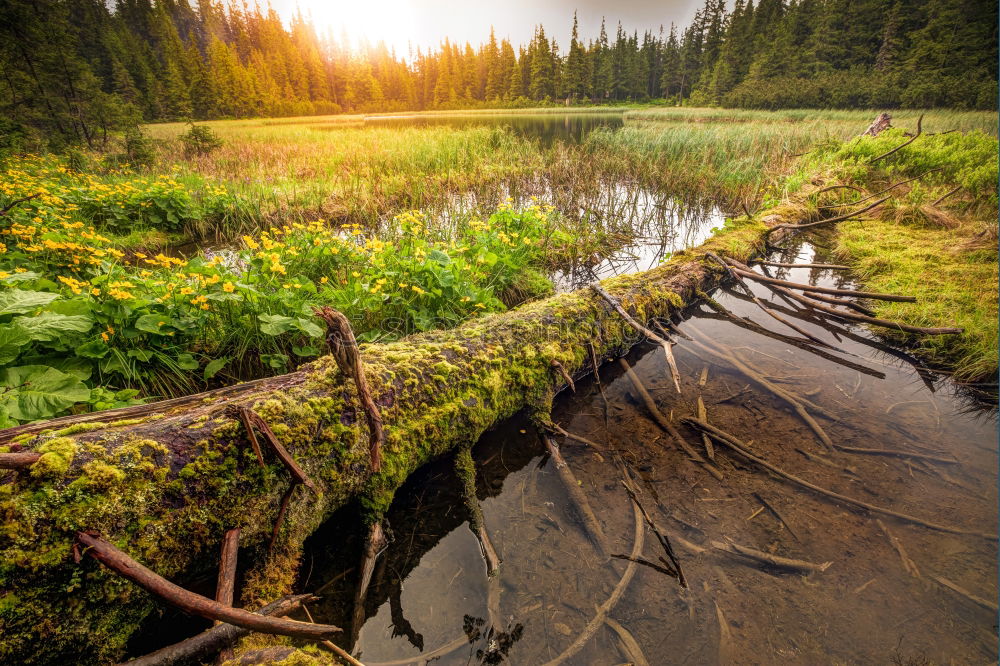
x=427 y=22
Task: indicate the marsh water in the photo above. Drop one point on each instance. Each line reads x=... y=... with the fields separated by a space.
x=885 y=590
x=880 y=599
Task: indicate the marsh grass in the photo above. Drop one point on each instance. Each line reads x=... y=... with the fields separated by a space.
x=941 y=250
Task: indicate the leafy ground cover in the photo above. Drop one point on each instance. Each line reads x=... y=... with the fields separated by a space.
x=86 y=322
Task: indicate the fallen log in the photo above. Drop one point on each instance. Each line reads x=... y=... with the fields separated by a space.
x=166 y=480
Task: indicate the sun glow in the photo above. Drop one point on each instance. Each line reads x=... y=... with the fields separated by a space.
x=391 y=21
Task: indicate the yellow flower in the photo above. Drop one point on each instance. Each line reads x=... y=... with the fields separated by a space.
x=324 y=280
x=356 y=274
x=228 y=287
x=480 y=305
x=187 y=291
x=95 y=291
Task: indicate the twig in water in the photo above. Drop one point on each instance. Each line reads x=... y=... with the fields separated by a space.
x=333 y=647
x=778 y=561
x=832 y=267
x=664 y=541
x=753 y=297
x=664 y=343
x=578 y=498
x=985 y=603
x=665 y=423
x=908 y=564
x=705 y=439
x=740 y=447
x=629 y=645
x=605 y=608
x=745 y=271
x=774 y=512
x=796 y=403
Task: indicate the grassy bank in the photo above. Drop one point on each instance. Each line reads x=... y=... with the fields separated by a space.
x=935 y=238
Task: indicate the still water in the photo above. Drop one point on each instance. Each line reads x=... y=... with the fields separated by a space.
x=887 y=596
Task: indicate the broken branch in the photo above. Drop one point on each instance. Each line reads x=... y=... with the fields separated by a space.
x=122 y=564
x=664 y=344
x=344 y=348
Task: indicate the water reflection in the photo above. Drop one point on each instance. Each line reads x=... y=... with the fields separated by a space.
x=881 y=599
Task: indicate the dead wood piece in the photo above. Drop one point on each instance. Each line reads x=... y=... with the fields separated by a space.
x=831 y=267
x=211 y=641
x=850 y=316
x=705 y=439
x=745 y=271
x=830 y=220
x=375 y=543
x=665 y=423
x=465 y=469
x=576 y=495
x=616 y=594
x=565 y=375
x=725 y=637
x=121 y=563
x=674 y=563
x=280 y=518
x=881 y=192
x=857 y=307
x=333 y=647
x=427 y=657
x=751 y=325
x=344 y=348
x=908 y=564
x=251 y=422
x=937 y=201
x=778 y=561
x=16 y=202
x=882 y=122
x=985 y=603
x=665 y=344
x=798 y=404
x=630 y=646
x=894 y=453
x=225 y=587
x=738 y=446
x=753 y=297
x=19 y=460
x=920 y=120
x=774 y=512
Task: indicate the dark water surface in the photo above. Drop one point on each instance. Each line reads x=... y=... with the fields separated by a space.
x=429 y=594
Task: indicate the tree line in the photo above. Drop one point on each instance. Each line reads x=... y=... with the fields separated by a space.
x=76 y=70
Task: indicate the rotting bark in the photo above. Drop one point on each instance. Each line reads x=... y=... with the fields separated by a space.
x=164 y=481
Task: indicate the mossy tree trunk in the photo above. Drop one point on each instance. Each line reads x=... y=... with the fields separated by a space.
x=167 y=485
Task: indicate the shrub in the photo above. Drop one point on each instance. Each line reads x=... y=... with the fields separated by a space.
x=199 y=140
